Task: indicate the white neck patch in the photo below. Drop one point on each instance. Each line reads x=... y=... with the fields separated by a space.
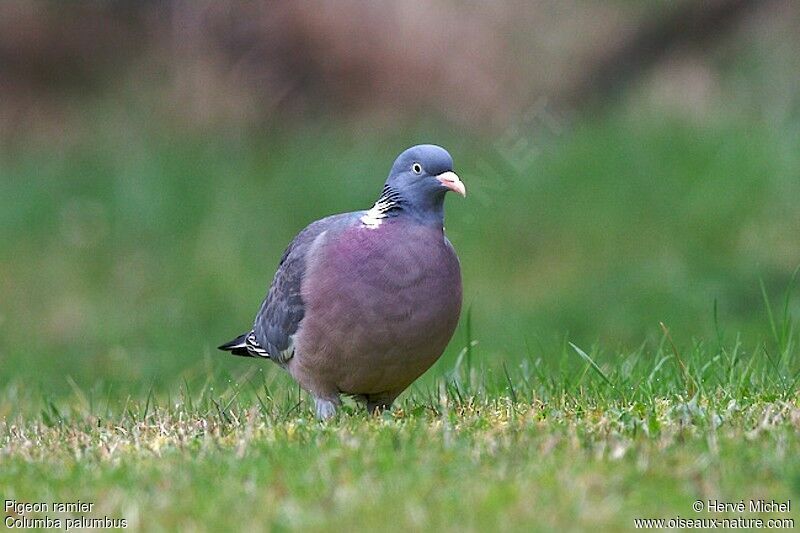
x=373 y=218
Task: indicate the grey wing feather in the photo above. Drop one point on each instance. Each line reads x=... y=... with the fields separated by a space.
x=283 y=309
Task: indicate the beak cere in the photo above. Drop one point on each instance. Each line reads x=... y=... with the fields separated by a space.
x=452 y=182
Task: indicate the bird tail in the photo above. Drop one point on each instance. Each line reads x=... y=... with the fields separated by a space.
x=237 y=346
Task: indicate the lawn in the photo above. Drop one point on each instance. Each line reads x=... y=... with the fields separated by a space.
x=543 y=452
x=629 y=343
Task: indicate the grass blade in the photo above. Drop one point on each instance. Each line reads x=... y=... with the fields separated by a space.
x=594 y=366
x=771 y=318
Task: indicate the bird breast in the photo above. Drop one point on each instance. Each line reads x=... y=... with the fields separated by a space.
x=387 y=299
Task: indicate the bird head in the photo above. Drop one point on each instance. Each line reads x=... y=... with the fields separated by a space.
x=419 y=179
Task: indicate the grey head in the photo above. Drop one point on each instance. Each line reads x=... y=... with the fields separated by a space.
x=416 y=186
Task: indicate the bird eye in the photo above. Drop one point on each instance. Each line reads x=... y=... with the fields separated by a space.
x=416 y=168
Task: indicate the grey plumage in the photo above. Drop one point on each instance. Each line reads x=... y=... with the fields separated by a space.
x=363 y=303
x=282 y=310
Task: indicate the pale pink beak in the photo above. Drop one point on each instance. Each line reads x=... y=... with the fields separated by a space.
x=452 y=182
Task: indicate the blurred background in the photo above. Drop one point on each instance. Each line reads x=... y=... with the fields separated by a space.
x=628 y=163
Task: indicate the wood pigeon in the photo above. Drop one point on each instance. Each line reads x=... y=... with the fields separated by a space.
x=363 y=303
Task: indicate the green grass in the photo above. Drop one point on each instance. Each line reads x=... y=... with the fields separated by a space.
x=631 y=344
x=129 y=254
x=641 y=438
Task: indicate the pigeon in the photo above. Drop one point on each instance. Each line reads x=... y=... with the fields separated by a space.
x=363 y=303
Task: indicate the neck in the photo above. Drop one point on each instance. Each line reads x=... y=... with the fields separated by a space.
x=392 y=204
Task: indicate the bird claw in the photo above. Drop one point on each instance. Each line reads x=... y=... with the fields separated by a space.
x=326 y=408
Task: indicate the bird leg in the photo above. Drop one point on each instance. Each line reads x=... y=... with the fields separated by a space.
x=326 y=407
x=378 y=404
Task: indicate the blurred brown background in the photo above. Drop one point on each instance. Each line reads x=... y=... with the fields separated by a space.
x=478 y=64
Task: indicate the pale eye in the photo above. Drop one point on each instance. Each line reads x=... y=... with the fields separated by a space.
x=416 y=168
